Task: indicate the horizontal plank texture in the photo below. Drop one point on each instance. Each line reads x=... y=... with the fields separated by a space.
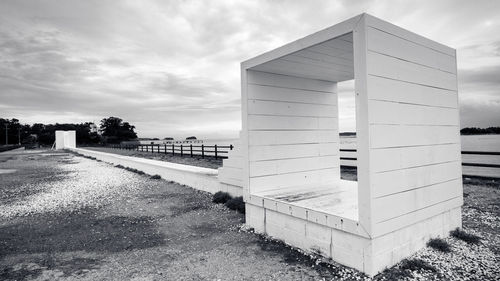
x=292 y=131
x=415 y=167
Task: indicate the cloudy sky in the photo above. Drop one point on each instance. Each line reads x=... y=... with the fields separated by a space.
x=171 y=68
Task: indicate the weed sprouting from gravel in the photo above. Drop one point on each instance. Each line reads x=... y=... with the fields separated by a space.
x=225 y=198
x=404 y=270
x=439 y=244
x=464 y=236
x=156 y=177
x=134 y=170
x=417 y=264
x=236 y=204
x=221 y=197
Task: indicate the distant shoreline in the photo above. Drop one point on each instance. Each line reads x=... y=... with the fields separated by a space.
x=480 y=134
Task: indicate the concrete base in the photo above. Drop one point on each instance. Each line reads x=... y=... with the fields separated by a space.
x=196 y=177
x=367 y=254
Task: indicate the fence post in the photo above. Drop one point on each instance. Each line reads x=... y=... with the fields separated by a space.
x=173 y=149
x=152 y=148
x=191 y=148
x=215 y=151
x=202 y=151
x=231 y=147
x=158 y=148
x=182 y=152
x=165 y=148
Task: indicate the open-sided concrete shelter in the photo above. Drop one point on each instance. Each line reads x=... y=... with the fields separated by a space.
x=409 y=186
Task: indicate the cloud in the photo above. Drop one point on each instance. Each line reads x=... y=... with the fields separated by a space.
x=172 y=67
x=489 y=75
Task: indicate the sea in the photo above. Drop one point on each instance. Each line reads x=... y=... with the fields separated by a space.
x=469 y=143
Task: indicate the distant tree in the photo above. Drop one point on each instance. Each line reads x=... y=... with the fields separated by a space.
x=46 y=133
x=480 y=131
x=114 y=130
x=168 y=138
x=191 y=138
x=347 y=134
x=14 y=130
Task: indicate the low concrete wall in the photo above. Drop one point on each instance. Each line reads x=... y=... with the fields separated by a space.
x=196 y=177
x=369 y=255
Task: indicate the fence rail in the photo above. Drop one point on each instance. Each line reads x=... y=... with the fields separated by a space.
x=474 y=166
x=216 y=151
x=474 y=163
x=463 y=163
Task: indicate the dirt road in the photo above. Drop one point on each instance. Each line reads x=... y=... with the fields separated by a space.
x=64 y=217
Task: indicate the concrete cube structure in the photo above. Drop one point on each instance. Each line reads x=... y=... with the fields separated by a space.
x=65 y=139
x=409 y=185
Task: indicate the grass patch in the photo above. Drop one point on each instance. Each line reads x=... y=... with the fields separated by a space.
x=221 y=197
x=439 y=244
x=138 y=171
x=236 y=204
x=156 y=177
x=464 y=236
x=417 y=264
x=134 y=170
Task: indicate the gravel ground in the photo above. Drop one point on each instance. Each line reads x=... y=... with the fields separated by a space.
x=64 y=217
x=207 y=162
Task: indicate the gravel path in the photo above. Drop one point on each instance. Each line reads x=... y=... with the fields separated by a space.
x=64 y=217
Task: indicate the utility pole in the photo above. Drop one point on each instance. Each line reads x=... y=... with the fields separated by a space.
x=6 y=135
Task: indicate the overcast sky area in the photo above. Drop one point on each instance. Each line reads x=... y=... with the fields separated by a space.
x=171 y=68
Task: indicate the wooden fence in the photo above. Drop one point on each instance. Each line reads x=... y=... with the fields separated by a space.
x=217 y=151
x=474 y=163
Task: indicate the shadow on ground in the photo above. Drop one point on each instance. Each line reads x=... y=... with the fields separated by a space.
x=43 y=236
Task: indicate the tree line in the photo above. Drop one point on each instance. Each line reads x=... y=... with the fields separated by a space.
x=110 y=130
x=480 y=131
